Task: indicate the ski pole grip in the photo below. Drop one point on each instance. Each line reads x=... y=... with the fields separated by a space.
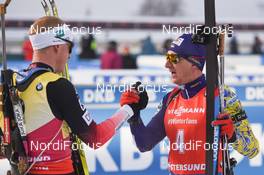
x=7 y=3
x=3 y=7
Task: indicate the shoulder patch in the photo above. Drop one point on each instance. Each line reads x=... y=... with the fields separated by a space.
x=39 y=87
x=87 y=118
x=178 y=41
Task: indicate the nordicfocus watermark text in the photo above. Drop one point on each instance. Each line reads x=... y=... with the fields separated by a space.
x=60 y=146
x=192 y=28
x=194 y=145
x=94 y=30
x=128 y=87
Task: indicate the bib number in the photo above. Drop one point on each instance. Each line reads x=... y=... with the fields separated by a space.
x=180 y=141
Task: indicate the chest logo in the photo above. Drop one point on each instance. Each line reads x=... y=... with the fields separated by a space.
x=39 y=87
x=182 y=110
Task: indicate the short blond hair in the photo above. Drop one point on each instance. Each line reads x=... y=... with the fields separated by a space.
x=45 y=23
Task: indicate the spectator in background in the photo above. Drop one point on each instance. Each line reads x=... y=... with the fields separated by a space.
x=234 y=46
x=88 y=47
x=27 y=49
x=256 y=47
x=166 y=45
x=129 y=62
x=111 y=59
x=148 y=47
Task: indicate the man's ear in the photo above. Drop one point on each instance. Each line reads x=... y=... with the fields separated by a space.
x=56 y=48
x=195 y=68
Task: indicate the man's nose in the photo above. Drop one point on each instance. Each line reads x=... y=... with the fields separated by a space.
x=168 y=64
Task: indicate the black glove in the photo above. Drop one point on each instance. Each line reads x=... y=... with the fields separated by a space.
x=142 y=104
x=143 y=95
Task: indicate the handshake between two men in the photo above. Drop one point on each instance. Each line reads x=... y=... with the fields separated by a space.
x=136 y=98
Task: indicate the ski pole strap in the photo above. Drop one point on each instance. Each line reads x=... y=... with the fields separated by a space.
x=239 y=116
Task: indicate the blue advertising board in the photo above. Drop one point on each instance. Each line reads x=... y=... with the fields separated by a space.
x=120 y=156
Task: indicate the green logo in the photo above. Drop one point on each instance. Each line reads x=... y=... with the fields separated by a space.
x=60 y=33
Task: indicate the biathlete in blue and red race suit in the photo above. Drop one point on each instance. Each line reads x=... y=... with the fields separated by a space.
x=182 y=113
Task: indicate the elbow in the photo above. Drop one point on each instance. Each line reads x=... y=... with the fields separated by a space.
x=144 y=147
x=141 y=144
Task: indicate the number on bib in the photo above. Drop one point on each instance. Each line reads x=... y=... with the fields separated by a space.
x=180 y=140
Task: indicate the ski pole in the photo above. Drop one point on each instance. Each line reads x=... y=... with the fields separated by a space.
x=80 y=165
x=4 y=77
x=226 y=166
x=56 y=14
x=46 y=7
x=3 y=12
x=54 y=8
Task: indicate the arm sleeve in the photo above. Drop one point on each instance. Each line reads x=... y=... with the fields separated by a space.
x=99 y=134
x=65 y=105
x=245 y=143
x=146 y=137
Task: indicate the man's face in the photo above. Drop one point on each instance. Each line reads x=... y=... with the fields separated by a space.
x=181 y=70
x=64 y=53
x=63 y=56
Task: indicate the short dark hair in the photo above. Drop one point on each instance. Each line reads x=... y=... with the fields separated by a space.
x=112 y=45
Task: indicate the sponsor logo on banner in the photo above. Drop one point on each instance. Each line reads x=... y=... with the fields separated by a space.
x=254 y=93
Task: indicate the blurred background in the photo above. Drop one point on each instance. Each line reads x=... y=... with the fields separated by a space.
x=121 y=41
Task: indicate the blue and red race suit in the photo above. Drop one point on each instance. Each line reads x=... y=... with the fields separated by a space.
x=183 y=121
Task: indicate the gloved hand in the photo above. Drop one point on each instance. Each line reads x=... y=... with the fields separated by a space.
x=136 y=98
x=130 y=98
x=226 y=125
x=143 y=95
